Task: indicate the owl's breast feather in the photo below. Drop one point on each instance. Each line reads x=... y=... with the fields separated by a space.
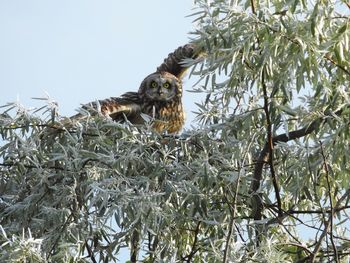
x=169 y=118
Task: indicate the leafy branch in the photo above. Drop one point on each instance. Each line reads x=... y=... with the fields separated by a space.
x=264 y=156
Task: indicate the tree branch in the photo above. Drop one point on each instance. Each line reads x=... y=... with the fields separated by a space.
x=329 y=222
x=252 y=4
x=265 y=155
x=327 y=57
x=60 y=232
x=28 y=166
x=232 y=209
x=270 y=143
x=194 y=244
x=90 y=252
x=328 y=211
x=49 y=126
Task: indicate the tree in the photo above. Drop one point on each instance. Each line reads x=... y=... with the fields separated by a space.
x=263 y=178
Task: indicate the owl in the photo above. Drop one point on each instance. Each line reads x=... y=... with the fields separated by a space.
x=159 y=96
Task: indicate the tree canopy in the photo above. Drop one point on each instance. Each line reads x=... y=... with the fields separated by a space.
x=262 y=177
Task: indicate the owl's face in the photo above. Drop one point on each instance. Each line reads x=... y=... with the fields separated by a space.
x=161 y=86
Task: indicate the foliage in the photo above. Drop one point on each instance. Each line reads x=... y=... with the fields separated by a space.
x=263 y=178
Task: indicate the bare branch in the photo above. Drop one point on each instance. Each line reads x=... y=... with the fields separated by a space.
x=291 y=211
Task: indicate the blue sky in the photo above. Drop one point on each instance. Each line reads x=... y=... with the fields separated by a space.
x=82 y=50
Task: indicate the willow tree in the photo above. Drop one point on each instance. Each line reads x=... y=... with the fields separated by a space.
x=262 y=177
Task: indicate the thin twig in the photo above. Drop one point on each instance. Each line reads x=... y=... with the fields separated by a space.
x=327 y=57
x=194 y=244
x=90 y=252
x=152 y=245
x=325 y=230
x=270 y=143
x=323 y=254
x=228 y=239
x=49 y=126
x=291 y=214
x=12 y=164
x=300 y=246
x=240 y=234
x=60 y=232
x=325 y=165
x=328 y=211
x=58 y=168
x=232 y=209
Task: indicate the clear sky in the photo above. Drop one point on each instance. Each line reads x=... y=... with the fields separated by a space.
x=82 y=50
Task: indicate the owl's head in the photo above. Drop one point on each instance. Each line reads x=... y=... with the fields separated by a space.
x=161 y=86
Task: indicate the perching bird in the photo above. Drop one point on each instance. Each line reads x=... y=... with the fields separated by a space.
x=159 y=96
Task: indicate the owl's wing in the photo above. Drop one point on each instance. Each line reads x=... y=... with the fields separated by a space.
x=174 y=62
x=128 y=105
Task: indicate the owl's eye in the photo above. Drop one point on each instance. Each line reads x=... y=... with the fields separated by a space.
x=154 y=84
x=166 y=85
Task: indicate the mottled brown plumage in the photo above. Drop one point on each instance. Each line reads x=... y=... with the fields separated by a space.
x=159 y=96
